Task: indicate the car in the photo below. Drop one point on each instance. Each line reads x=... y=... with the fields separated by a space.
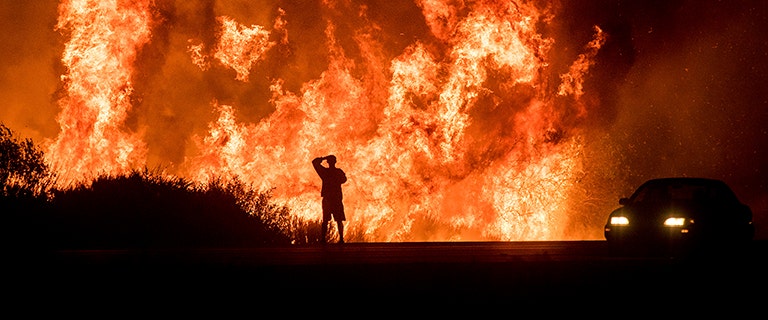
x=683 y=212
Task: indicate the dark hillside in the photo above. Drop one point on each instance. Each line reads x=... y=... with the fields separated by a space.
x=139 y=210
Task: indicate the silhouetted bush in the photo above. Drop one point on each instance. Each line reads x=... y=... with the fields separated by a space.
x=146 y=210
x=23 y=172
x=274 y=217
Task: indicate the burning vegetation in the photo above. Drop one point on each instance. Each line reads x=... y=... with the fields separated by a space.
x=454 y=120
x=466 y=132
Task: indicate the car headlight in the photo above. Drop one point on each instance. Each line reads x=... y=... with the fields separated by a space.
x=674 y=222
x=619 y=221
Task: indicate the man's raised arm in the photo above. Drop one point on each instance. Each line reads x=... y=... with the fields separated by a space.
x=317 y=163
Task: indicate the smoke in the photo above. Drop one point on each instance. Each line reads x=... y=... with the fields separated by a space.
x=675 y=89
x=30 y=67
x=691 y=104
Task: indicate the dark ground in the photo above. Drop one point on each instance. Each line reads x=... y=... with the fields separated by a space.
x=420 y=276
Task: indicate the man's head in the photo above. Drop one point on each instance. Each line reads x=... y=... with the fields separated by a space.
x=331 y=160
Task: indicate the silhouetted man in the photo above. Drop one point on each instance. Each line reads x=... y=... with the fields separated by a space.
x=332 y=178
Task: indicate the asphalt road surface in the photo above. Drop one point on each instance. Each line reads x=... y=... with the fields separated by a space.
x=444 y=274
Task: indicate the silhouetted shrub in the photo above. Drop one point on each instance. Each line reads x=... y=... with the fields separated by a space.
x=23 y=172
x=275 y=217
x=146 y=210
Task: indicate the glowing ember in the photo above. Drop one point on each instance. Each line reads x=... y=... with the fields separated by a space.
x=455 y=138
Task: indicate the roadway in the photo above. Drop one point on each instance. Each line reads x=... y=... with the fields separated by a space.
x=451 y=273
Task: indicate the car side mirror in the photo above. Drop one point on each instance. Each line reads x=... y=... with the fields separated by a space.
x=623 y=201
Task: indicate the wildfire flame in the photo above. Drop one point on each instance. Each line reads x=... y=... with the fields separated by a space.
x=105 y=37
x=464 y=140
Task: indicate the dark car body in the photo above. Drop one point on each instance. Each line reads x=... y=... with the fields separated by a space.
x=680 y=211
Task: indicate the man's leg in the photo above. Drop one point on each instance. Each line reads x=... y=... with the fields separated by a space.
x=324 y=231
x=341 y=231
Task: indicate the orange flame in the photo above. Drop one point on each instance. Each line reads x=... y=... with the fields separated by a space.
x=421 y=168
x=240 y=47
x=104 y=39
x=464 y=144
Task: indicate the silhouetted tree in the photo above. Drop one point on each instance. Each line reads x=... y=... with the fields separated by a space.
x=23 y=171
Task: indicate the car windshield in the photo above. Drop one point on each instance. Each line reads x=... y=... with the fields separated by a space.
x=682 y=191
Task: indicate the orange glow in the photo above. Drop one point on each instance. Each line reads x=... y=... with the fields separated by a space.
x=451 y=142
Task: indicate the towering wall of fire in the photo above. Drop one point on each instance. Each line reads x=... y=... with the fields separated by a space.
x=453 y=120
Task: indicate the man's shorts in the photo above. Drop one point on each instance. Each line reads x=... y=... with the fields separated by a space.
x=333 y=207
